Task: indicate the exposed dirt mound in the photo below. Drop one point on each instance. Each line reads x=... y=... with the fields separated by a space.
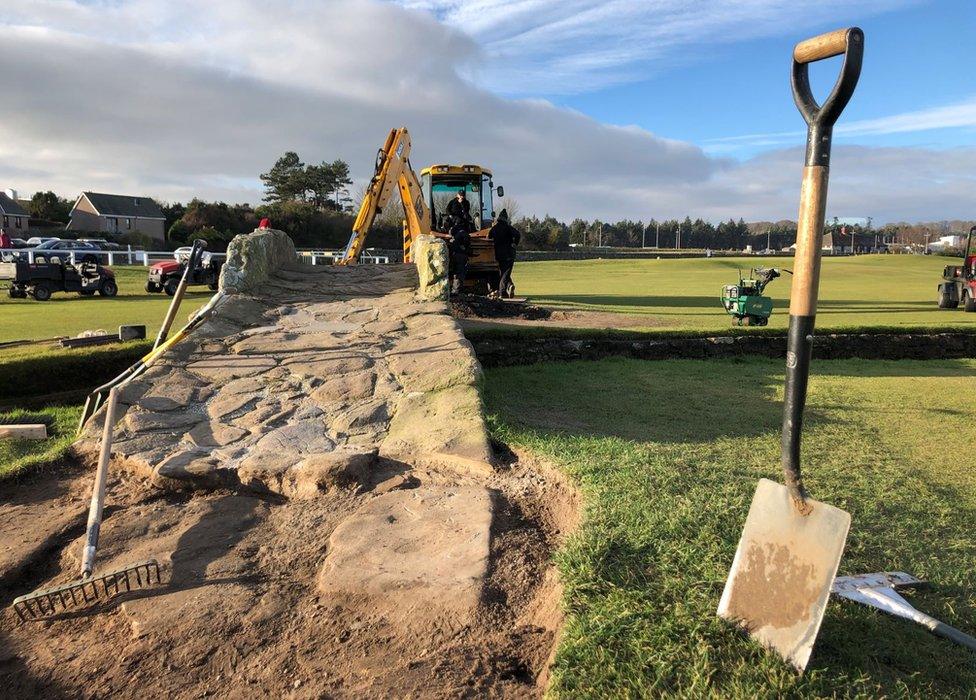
x=472 y=306
x=248 y=606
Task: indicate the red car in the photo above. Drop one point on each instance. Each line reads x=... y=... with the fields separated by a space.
x=165 y=276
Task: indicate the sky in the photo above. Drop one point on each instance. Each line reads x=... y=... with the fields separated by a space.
x=604 y=109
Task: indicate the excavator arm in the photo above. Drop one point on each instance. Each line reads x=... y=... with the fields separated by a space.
x=393 y=171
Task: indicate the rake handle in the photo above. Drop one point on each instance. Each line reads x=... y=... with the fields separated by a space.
x=98 y=492
x=820 y=121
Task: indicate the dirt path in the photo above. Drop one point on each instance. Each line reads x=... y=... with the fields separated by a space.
x=244 y=610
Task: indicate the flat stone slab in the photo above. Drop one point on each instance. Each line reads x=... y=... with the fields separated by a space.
x=417 y=548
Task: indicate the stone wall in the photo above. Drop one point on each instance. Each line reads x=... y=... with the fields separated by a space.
x=504 y=351
x=431 y=257
x=253 y=257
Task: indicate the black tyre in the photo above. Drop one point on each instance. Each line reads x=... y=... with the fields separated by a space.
x=92 y=259
x=212 y=286
x=109 y=288
x=153 y=288
x=970 y=303
x=40 y=292
x=170 y=285
x=946 y=301
x=15 y=293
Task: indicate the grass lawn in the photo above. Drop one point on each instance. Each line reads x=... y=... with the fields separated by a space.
x=683 y=294
x=69 y=314
x=668 y=454
x=18 y=456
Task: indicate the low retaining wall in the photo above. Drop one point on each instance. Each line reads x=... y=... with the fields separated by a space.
x=505 y=351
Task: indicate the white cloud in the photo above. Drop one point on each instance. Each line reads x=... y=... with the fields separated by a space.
x=959 y=115
x=171 y=108
x=571 y=46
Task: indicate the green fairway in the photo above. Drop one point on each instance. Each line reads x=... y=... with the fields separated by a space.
x=683 y=294
x=667 y=455
x=69 y=314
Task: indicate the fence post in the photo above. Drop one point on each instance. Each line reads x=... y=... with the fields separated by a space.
x=129 y=246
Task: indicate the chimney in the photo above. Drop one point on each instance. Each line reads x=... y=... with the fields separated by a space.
x=12 y=193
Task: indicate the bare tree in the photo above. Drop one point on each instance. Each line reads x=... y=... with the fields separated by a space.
x=512 y=206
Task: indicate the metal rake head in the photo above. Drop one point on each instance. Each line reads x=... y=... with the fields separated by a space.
x=44 y=603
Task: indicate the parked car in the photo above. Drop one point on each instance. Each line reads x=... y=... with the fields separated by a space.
x=38 y=240
x=102 y=244
x=59 y=250
x=165 y=276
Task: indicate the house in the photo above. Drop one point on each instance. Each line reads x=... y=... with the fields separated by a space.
x=15 y=217
x=117 y=213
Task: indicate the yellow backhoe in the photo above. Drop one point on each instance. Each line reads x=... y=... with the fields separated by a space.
x=425 y=201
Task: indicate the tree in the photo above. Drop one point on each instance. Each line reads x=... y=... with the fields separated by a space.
x=49 y=206
x=339 y=170
x=511 y=205
x=287 y=180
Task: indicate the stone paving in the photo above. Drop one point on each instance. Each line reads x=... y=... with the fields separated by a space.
x=304 y=383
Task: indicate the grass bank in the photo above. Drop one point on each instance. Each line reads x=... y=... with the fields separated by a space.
x=683 y=294
x=668 y=455
x=19 y=456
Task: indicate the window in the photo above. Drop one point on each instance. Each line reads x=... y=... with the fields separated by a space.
x=6 y=221
x=113 y=223
x=487 y=209
x=128 y=224
x=17 y=222
x=444 y=189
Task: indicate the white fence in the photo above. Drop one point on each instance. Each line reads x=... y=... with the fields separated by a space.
x=148 y=257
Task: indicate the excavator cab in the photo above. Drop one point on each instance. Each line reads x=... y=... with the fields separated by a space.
x=440 y=184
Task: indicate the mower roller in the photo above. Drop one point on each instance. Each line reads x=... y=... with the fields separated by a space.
x=791 y=545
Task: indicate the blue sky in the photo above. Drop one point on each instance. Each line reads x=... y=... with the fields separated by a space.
x=589 y=108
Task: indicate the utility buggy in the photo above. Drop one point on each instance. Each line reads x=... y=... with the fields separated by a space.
x=40 y=280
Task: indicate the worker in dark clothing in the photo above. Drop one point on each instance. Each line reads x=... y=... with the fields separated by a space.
x=459 y=246
x=506 y=238
x=459 y=209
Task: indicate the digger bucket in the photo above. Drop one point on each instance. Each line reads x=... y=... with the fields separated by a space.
x=791 y=545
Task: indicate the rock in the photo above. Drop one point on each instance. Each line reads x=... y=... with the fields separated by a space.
x=398 y=481
x=431 y=258
x=436 y=426
x=187 y=465
x=345 y=388
x=322 y=365
x=138 y=420
x=225 y=404
x=252 y=258
x=361 y=415
x=223 y=367
x=410 y=550
x=214 y=434
x=345 y=465
x=172 y=390
x=301 y=438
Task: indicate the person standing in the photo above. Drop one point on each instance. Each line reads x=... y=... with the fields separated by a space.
x=459 y=209
x=459 y=246
x=5 y=240
x=506 y=238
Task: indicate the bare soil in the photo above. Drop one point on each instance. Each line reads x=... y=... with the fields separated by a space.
x=240 y=612
x=545 y=317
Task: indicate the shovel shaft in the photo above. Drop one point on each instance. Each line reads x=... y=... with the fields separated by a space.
x=803 y=313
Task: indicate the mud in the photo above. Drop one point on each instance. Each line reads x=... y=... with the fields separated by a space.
x=241 y=612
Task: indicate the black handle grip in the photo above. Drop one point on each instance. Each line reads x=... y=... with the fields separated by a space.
x=821 y=118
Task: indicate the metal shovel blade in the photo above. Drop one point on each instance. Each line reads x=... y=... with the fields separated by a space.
x=783 y=569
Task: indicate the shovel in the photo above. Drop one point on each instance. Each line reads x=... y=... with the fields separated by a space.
x=791 y=545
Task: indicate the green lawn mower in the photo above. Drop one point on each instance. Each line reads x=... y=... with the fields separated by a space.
x=745 y=302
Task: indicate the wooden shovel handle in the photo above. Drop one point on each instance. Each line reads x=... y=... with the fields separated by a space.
x=820 y=47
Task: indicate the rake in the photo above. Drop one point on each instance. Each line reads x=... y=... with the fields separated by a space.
x=90 y=589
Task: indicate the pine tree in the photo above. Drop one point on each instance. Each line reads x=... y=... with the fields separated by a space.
x=286 y=181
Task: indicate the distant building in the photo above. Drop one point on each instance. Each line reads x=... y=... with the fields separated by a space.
x=15 y=217
x=117 y=213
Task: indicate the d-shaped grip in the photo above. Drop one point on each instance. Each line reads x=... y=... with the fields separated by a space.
x=821 y=118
